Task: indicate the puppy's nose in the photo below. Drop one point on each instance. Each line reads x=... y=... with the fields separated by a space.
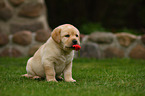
x=74 y=42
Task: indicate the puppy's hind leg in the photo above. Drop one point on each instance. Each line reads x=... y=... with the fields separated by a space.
x=30 y=73
x=32 y=77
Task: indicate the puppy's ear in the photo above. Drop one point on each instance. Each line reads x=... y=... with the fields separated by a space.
x=56 y=34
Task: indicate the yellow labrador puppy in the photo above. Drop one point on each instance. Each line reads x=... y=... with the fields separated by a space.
x=55 y=56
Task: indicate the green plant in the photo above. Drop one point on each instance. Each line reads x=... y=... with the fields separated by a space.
x=88 y=28
x=91 y=27
x=132 y=31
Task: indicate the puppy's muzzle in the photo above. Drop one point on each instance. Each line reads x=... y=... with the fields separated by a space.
x=74 y=42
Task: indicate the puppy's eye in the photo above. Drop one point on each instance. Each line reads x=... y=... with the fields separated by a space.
x=67 y=35
x=76 y=35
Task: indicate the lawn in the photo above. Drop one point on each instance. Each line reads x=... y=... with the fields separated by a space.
x=108 y=77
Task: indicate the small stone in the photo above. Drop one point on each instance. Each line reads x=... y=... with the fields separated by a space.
x=16 y=2
x=113 y=52
x=101 y=37
x=82 y=36
x=2 y=4
x=143 y=38
x=3 y=39
x=10 y=52
x=5 y=11
x=33 y=49
x=138 y=52
x=125 y=39
x=31 y=9
x=33 y=27
x=90 y=50
x=22 y=38
x=42 y=35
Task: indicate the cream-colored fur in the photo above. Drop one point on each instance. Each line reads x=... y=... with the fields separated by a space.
x=55 y=57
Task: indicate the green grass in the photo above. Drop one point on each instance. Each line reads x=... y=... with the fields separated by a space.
x=109 y=77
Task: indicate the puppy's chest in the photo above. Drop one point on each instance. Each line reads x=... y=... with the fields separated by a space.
x=61 y=62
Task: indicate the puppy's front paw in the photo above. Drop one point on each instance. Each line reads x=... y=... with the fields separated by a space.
x=52 y=80
x=70 y=80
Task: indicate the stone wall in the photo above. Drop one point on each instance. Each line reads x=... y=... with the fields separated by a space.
x=108 y=45
x=19 y=15
x=23 y=43
x=24 y=28
x=97 y=45
x=21 y=21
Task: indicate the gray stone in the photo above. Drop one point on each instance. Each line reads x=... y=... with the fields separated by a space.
x=10 y=52
x=5 y=11
x=101 y=37
x=33 y=27
x=3 y=39
x=82 y=36
x=2 y=4
x=113 y=52
x=42 y=35
x=16 y=2
x=33 y=49
x=138 y=52
x=22 y=38
x=143 y=38
x=90 y=50
x=31 y=9
x=126 y=39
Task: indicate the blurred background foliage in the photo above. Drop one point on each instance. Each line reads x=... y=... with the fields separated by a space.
x=98 y=15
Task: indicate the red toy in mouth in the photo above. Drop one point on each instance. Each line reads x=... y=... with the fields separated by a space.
x=77 y=47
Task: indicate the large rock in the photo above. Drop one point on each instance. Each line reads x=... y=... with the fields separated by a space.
x=90 y=50
x=2 y=4
x=35 y=26
x=31 y=9
x=101 y=37
x=16 y=2
x=81 y=37
x=5 y=11
x=125 y=39
x=22 y=38
x=3 y=39
x=143 y=38
x=42 y=35
x=33 y=49
x=0 y=30
x=10 y=52
x=138 y=52
x=113 y=52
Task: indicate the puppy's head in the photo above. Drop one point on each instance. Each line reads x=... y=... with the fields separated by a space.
x=66 y=36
